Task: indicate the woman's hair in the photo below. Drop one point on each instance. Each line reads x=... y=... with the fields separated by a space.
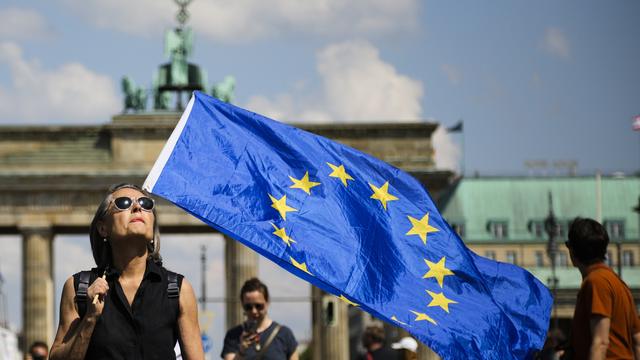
x=102 y=249
x=254 y=284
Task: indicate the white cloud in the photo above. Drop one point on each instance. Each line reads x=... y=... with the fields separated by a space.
x=70 y=93
x=357 y=86
x=453 y=74
x=447 y=152
x=140 y=17
x=21 y=24
x=243 y=20
x=280 y=108
x=555 y=42
x=360 y=86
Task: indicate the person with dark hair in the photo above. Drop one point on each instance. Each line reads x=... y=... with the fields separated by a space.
x=605 y=321
x=129 y=306
x=373 y=340
x=38 y=351
x=258 y=337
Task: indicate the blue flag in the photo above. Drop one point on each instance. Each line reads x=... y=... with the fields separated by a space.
x=351 y=225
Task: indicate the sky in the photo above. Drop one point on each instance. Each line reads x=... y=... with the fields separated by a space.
x=546 y=80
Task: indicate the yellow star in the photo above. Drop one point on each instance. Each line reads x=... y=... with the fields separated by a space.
x=343 y=298
x=281 y=205
x=394 y=318
x=421 y=227
x=437 y=270
x=340 y=173
x=304 y=184
x=382 y=194
x=423 y=316
x=300 y=266
x=282 y=234
x=438 y=299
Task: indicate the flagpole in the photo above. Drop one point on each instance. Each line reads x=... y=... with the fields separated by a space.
x=635 y=125
x=459 y=127
x=463 y=150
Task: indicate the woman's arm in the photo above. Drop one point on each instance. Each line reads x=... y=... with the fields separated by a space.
x=190 y=341
x=74 y=334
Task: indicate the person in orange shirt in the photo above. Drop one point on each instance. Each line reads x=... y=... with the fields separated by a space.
x=605 y=322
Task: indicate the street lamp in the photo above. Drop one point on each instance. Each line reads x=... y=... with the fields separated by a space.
x=552 y=227
x=203 y=276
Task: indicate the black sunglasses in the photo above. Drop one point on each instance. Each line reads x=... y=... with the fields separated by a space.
x=248 y=307
x=124 y=203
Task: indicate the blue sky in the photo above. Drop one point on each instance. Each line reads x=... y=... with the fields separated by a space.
x=545 y=80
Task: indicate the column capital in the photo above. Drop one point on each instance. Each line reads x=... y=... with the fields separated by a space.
x=36 y=229
x=34 y=223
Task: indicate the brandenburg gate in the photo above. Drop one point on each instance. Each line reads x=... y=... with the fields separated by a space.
x=53 y=177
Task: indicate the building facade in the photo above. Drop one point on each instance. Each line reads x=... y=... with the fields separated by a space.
x=503 y=218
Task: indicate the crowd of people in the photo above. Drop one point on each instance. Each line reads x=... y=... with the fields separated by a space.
x=130 y=306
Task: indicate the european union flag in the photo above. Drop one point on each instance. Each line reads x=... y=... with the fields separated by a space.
x=351 y=225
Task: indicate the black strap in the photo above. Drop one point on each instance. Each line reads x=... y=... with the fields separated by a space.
x=173 y=291
x=81 y=292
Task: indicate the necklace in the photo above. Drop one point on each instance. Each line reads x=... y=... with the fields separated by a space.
x=258 y=346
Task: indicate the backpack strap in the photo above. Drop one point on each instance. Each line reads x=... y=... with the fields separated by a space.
x=173 y=290
x=84 y=278
x=81 y=292
x=267 y=343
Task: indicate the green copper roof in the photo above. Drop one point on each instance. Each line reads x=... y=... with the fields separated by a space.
x=477 y=202
x=570 y=278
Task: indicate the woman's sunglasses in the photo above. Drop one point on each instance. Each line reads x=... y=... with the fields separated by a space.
x=248 y=307
x=124 y=203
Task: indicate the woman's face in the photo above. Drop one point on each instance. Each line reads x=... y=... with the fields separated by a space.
x=132 y=223
x=255 y=306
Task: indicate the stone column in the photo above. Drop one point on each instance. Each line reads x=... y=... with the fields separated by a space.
x=330 y=326
x=37 y=285
x=425 y=353
x=241 y=264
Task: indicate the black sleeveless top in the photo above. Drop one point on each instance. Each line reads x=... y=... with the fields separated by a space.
x=148 y=329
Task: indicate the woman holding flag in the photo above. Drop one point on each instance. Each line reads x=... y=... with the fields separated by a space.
x=129 y=306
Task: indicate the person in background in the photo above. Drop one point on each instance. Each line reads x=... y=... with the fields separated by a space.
x=407 y=347
x=38 y=351
x=605 y=322
x=258 y=337
x=373 y=340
